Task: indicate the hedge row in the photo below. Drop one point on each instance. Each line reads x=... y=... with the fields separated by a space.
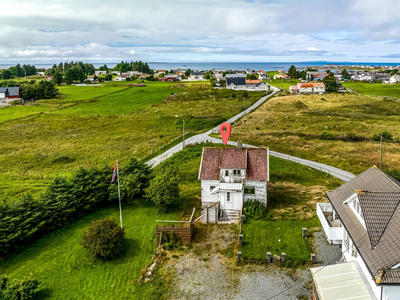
x=63 y=201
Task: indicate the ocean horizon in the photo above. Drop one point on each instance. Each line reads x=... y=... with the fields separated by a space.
x=201 y=66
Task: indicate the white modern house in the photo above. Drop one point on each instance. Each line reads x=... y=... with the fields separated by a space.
x=363 y=216
x=257 y=85
x=394 y=79
x=306 y=88
x=236 y=82
x=194 y=76
x=229 y=177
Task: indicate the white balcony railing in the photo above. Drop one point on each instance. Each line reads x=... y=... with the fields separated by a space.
x=334 y=234
x=231 y=186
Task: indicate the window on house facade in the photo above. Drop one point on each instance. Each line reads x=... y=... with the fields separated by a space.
x=212 y=187
x=346 y=241
x=228 y=196
x=354 y=252
x=226 y=173
x=250 y=190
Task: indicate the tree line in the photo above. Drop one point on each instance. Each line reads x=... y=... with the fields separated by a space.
x=33 y=90
x=18 y=71
x=125 y=66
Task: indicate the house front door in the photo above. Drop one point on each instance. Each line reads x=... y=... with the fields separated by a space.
x=229 y=200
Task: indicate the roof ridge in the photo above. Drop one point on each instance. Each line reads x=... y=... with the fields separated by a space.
x=384 y=229
x=389 y=177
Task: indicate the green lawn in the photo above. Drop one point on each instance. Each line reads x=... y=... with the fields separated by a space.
x=277 y=236
x=376 y=89
x=59 y=262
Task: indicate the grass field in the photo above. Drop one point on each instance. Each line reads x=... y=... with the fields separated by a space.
x=102 y=124
x=62 y=266
x=294 y=124
x=377 y=89
x=59 y=262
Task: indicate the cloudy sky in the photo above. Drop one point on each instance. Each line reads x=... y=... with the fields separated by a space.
x=199 y=30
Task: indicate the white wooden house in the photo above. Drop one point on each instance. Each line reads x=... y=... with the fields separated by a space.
x=230 y=176
x=394 y=79
x=306 y=88
x=363 y=216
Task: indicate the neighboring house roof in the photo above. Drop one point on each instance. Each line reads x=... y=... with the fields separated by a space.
x=197 y=73
x=293 y=87
x=236 y=80
x=3 y=90
x=379 y=198
x=255 y=161
x=235 y=76
x=308 y=85
x=253 y=81
x=171 y=75
x=13 y=91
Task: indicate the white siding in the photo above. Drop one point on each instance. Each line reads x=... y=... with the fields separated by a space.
x=260 y=192
x=206 y=196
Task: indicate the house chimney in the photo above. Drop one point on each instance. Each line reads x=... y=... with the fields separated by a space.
x=239 y=146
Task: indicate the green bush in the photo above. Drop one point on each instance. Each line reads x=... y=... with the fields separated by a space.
x=253 y=209
x=169 y=242
x=18 y=289
x=352 y=137
x=327 y=136
x=164 y=189
x=104 y=238
x=385 y=136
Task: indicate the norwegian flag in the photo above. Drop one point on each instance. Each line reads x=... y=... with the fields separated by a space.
x=115 y=172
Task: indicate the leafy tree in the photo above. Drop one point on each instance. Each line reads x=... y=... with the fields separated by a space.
x=293 y=72
x=161 y=75
x=108 y=77
x=345 y=74
x=251 y=76
x=330 y=84
x=303 y=75
x=57 y=78
x=6 y=74
x=394 y=72
x=104 y=238
x=329 y=72
x=188 y=72
x=164 y=189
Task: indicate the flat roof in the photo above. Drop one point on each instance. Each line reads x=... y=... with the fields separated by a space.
x=341 y=281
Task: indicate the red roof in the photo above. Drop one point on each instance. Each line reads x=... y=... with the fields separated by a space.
x=253 y=81
x=255 y=161
x=318 y=84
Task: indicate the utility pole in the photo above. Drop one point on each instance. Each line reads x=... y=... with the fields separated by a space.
x=183 y=138
x=381 y=153
x=25 y=72
x=244 y=105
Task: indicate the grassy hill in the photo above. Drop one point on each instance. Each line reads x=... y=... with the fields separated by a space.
x=91 y=126
x=294 y=125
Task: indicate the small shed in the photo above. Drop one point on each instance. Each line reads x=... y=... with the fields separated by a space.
x=341 y=281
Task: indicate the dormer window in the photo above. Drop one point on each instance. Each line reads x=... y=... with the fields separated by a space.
x=237 y=172
x=226 y=173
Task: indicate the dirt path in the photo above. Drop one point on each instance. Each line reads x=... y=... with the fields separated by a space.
x=209 y=271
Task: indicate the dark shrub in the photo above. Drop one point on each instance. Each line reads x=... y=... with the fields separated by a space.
x=24 y=289
x=104 y=238
x=327 y=136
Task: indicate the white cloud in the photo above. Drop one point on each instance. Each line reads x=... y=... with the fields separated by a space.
x=210 y=30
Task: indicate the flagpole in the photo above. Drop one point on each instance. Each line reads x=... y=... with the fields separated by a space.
x=119 y=196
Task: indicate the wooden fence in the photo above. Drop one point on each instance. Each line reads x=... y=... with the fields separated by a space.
x=184 y=232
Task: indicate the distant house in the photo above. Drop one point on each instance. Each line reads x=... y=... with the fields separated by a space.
x=40 y=73
x=134 y=73
x=279 y=76
x=394 y=78
x=307 y=88
x=363 y=216
x=48 y=78
x=256 y=85
x=170 y=77
x=236 y=83
x=196 y=76
x=230 y=177
x=262 y=75
x=311 y=75
x=122 y=77
x=8 y=94
x=97 y=73
x=90 y=78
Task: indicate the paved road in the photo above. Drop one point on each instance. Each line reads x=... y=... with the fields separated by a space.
x=203 y=137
